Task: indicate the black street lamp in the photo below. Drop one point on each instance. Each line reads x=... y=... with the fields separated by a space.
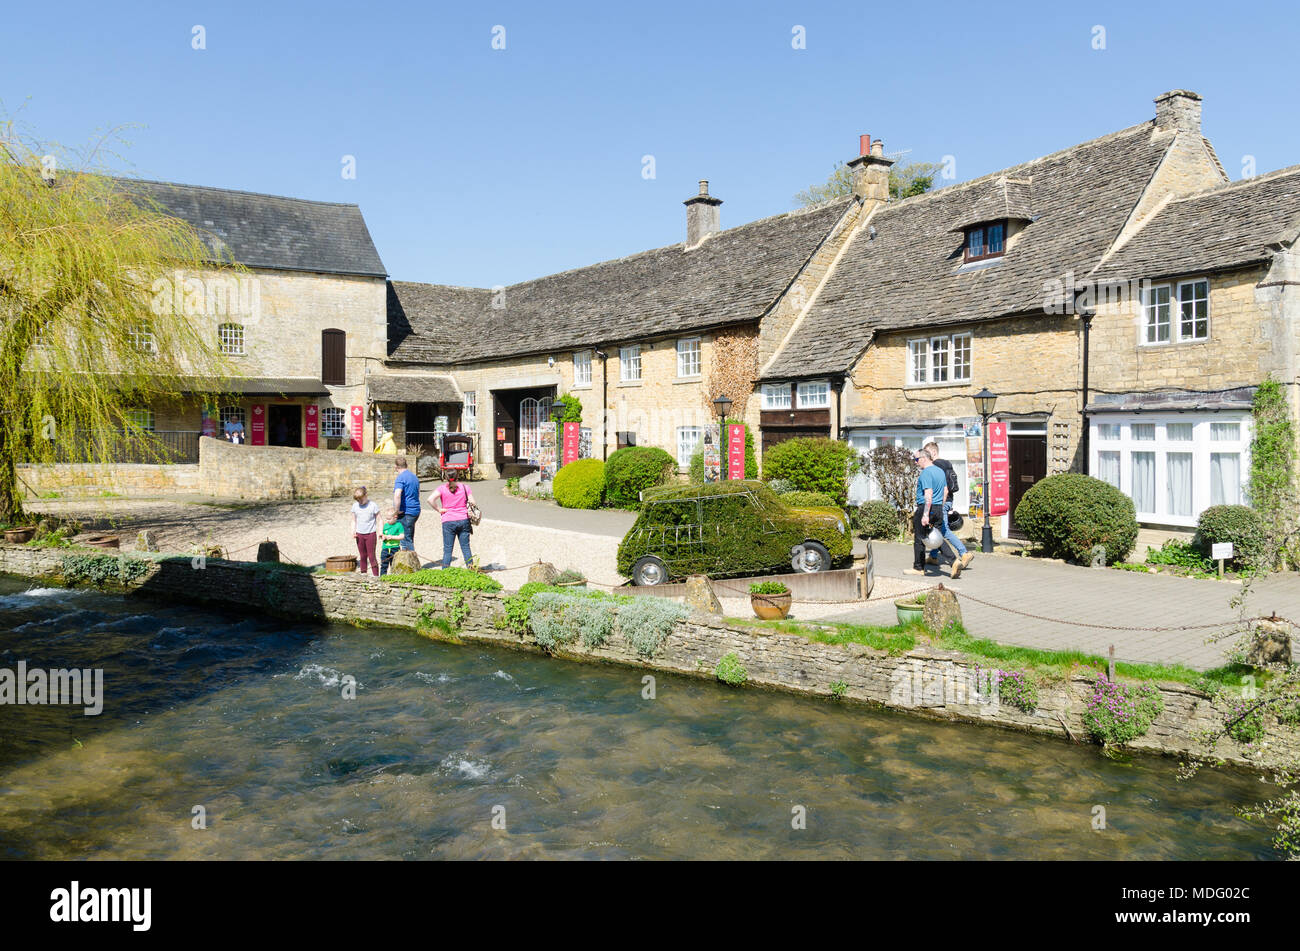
x=723 y=407
x=984 y=403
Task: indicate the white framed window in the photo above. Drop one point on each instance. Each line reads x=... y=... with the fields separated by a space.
x=688 y=443
x=582 y=368
x=230 y=339
x=469 y=411
x=142 y=339
x=629 y=363
x=1176 y=313
x=233 y=415
x=814 y=394
x=776 y=396
x=584 y=442
x=944 y=358
x=1175 y=467
x=688 y=356
x=141 y=419
x=333 y=421
x=952 y=447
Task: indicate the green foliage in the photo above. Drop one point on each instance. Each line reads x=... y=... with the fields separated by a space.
x=781 y=486
x=768 y=587
x=695 y=470
x=102 y=569
x=892 y=469
x=1014 y=687
x=58 y=538
x=630 y=470
x=569 y=576
x=812 y=464
x=1180 y=554
x=839 y=689
x=568 y=407
x=1071 y=514
x=727 y=528
x=455 y=609
x=877 y=519
x=1273 y=463
x=647 y=621
x=905 y=180
x=1245 y=721
x=797 y=499
x=559 y=619
x=1242 y=526
x=463 y=579
x=731 y=671
x=1116 y=713
x=580 y=484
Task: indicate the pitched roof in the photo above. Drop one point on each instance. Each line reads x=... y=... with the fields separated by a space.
x=911 y=272
x=412 y=388
x=270 y=231
x=733 y=277
x=1232 y=225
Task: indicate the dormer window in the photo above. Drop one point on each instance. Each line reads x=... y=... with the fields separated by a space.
x=986 y=241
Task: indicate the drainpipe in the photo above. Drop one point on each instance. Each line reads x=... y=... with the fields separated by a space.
x=604 y=402
x=1085 y=314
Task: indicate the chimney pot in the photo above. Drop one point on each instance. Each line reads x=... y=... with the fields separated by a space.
x=704 y=186
x=864 y=145
x=1178 y=110
x=878 y=147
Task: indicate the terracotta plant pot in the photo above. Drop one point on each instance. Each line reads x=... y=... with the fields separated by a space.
x=20 y=535
x=909 y=610
x=103 y=541
x=341 y=563
x=770 y=607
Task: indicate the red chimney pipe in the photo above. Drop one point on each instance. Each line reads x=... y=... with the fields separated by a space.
x=864 y=145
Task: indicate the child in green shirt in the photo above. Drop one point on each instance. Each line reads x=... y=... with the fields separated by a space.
x=391 y=535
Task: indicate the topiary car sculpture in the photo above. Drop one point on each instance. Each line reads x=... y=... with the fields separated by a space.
x=727 y=529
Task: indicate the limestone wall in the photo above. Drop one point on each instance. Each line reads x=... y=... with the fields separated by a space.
x=77 y=479
x=277 y=472
x=923 y=681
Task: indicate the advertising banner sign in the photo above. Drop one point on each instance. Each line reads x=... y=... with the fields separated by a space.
x=735 y=451
x=572 y=442
x=357 y=415
x=999 y=470
x=257 y=427
x=313 y=426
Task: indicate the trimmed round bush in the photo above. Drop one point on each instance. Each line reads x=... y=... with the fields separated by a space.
x=632 y=469
x=808 y=499
x=877 y=519
x=811 y=464
x=1239 y=524
x=1071 y=514
x=580 y=484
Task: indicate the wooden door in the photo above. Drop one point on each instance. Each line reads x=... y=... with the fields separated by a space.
x=504 y=431
x=1028 y=459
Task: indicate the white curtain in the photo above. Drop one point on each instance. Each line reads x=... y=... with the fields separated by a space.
x=1108 y=467
x=1225 y=478
x=1144 y=481
x=1179 y=482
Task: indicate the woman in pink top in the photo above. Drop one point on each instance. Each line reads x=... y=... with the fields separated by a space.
x=452 y=501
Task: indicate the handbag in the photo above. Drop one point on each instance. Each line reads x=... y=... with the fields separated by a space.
x=473 y=511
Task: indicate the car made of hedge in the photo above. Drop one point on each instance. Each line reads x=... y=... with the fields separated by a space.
x=728 y=529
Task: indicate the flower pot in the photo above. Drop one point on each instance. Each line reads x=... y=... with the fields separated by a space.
x=770 y=607
x=909 y=611
x=103 y=541
x=20 y=535
x=341 y=563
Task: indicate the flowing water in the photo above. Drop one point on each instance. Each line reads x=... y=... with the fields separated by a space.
x=245 y=717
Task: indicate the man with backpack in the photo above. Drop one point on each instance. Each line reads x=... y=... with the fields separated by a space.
x=964 y=557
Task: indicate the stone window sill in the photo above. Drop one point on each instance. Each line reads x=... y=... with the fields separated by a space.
x=629 y=382
x=689 y=379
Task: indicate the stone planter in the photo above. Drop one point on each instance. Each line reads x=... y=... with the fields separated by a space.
x=770 y=607
x=341 y=563
x=20 y=536
x=909 y=610
x=103 y=541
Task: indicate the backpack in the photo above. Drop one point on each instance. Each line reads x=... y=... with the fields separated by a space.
x=951 y=473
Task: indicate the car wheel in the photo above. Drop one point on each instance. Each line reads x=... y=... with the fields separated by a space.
x=649 y=571
x=810 y=557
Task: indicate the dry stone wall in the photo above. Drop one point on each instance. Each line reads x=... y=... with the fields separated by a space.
x=279 y=472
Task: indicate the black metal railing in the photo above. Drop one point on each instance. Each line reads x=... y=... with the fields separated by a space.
x=174 y=447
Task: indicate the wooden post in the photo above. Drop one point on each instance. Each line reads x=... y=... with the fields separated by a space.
x=1220 y=569
x=1110 y=665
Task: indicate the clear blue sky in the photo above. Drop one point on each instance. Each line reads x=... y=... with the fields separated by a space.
x=478 y=166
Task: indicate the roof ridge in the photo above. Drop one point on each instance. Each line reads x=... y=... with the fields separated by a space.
x=236 y=191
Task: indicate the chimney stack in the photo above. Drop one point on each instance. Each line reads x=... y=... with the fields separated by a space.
x=1178 y=110
x=702 y=216
x=871 y=170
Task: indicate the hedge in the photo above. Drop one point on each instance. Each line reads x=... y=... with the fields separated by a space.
x=878 y=519
x=1071 y=514
x=812 y=464
x=809 y=500
x=1239 y=524
x=633 y=469
x=580 y=484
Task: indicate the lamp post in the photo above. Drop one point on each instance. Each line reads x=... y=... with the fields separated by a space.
x=723 y=406
x=984 y=403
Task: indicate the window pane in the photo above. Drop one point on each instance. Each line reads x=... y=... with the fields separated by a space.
x=1225 y=432
x=814 y=395
x=1108 y=432
x=1178 y=432
x=1144 y=482
x=1178 y=472
x=1156 y=314
x=1108 y=467
x=688 y=442
x=469 y=412
x=1194 y=310
x=1142 y=431
x=582 y=368
x=688 y=357
x=974 y=242
x=961 y=357
x=938 y=359
x=995 y=239
x=331 y=421
x=630 y=363
x=1225 y=478
x=776 y=396
x=918 y=350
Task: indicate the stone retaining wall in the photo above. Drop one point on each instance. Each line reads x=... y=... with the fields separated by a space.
x=283 y=472
x=79 y=479
x=923 y=681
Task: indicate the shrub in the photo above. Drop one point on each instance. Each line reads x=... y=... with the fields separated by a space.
x=1013 y=687
x=877 y=519
x=1071 y=514
x=781 y=486
x=813 y=464
x=731 y=671
x=632 y=469
x=646 y=622
x=580 y=484
x=558 y=619
x=892 y=469
x=1179 y=554
x=1273 y=466
x=101 y=569
x=809 y=499
x=1118 y=714
x=1242 y=526
x=768 y=587
x=463 y=579
x=569 y=576
x=1245 y=721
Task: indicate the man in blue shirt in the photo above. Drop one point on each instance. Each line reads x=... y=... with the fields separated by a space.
x=931 y=489
x=406 y=502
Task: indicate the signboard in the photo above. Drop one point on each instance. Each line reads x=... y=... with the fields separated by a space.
x=257 y=428
x=974 y=469
x=735 y=451
x=209 y=425
x=999 y=470
x=357 y=416
x=1221 y=550
x=572 y=442
x=712 y=461
x=501 y=435
x=508 y=449
x=313 y=426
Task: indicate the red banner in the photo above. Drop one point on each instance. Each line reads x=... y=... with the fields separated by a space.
x=313 y=426
x=999 y=470
x=572 y=440
x=257 y=428
x=358 y=417
x=735 y=451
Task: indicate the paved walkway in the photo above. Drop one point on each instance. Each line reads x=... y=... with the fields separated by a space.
x=1065 y=597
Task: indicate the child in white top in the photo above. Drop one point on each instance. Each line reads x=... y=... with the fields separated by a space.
x=365 y=514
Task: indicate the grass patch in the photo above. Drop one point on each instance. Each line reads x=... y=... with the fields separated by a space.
x=463 y=579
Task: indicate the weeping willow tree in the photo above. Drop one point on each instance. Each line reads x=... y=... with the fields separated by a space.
x=84 y=336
